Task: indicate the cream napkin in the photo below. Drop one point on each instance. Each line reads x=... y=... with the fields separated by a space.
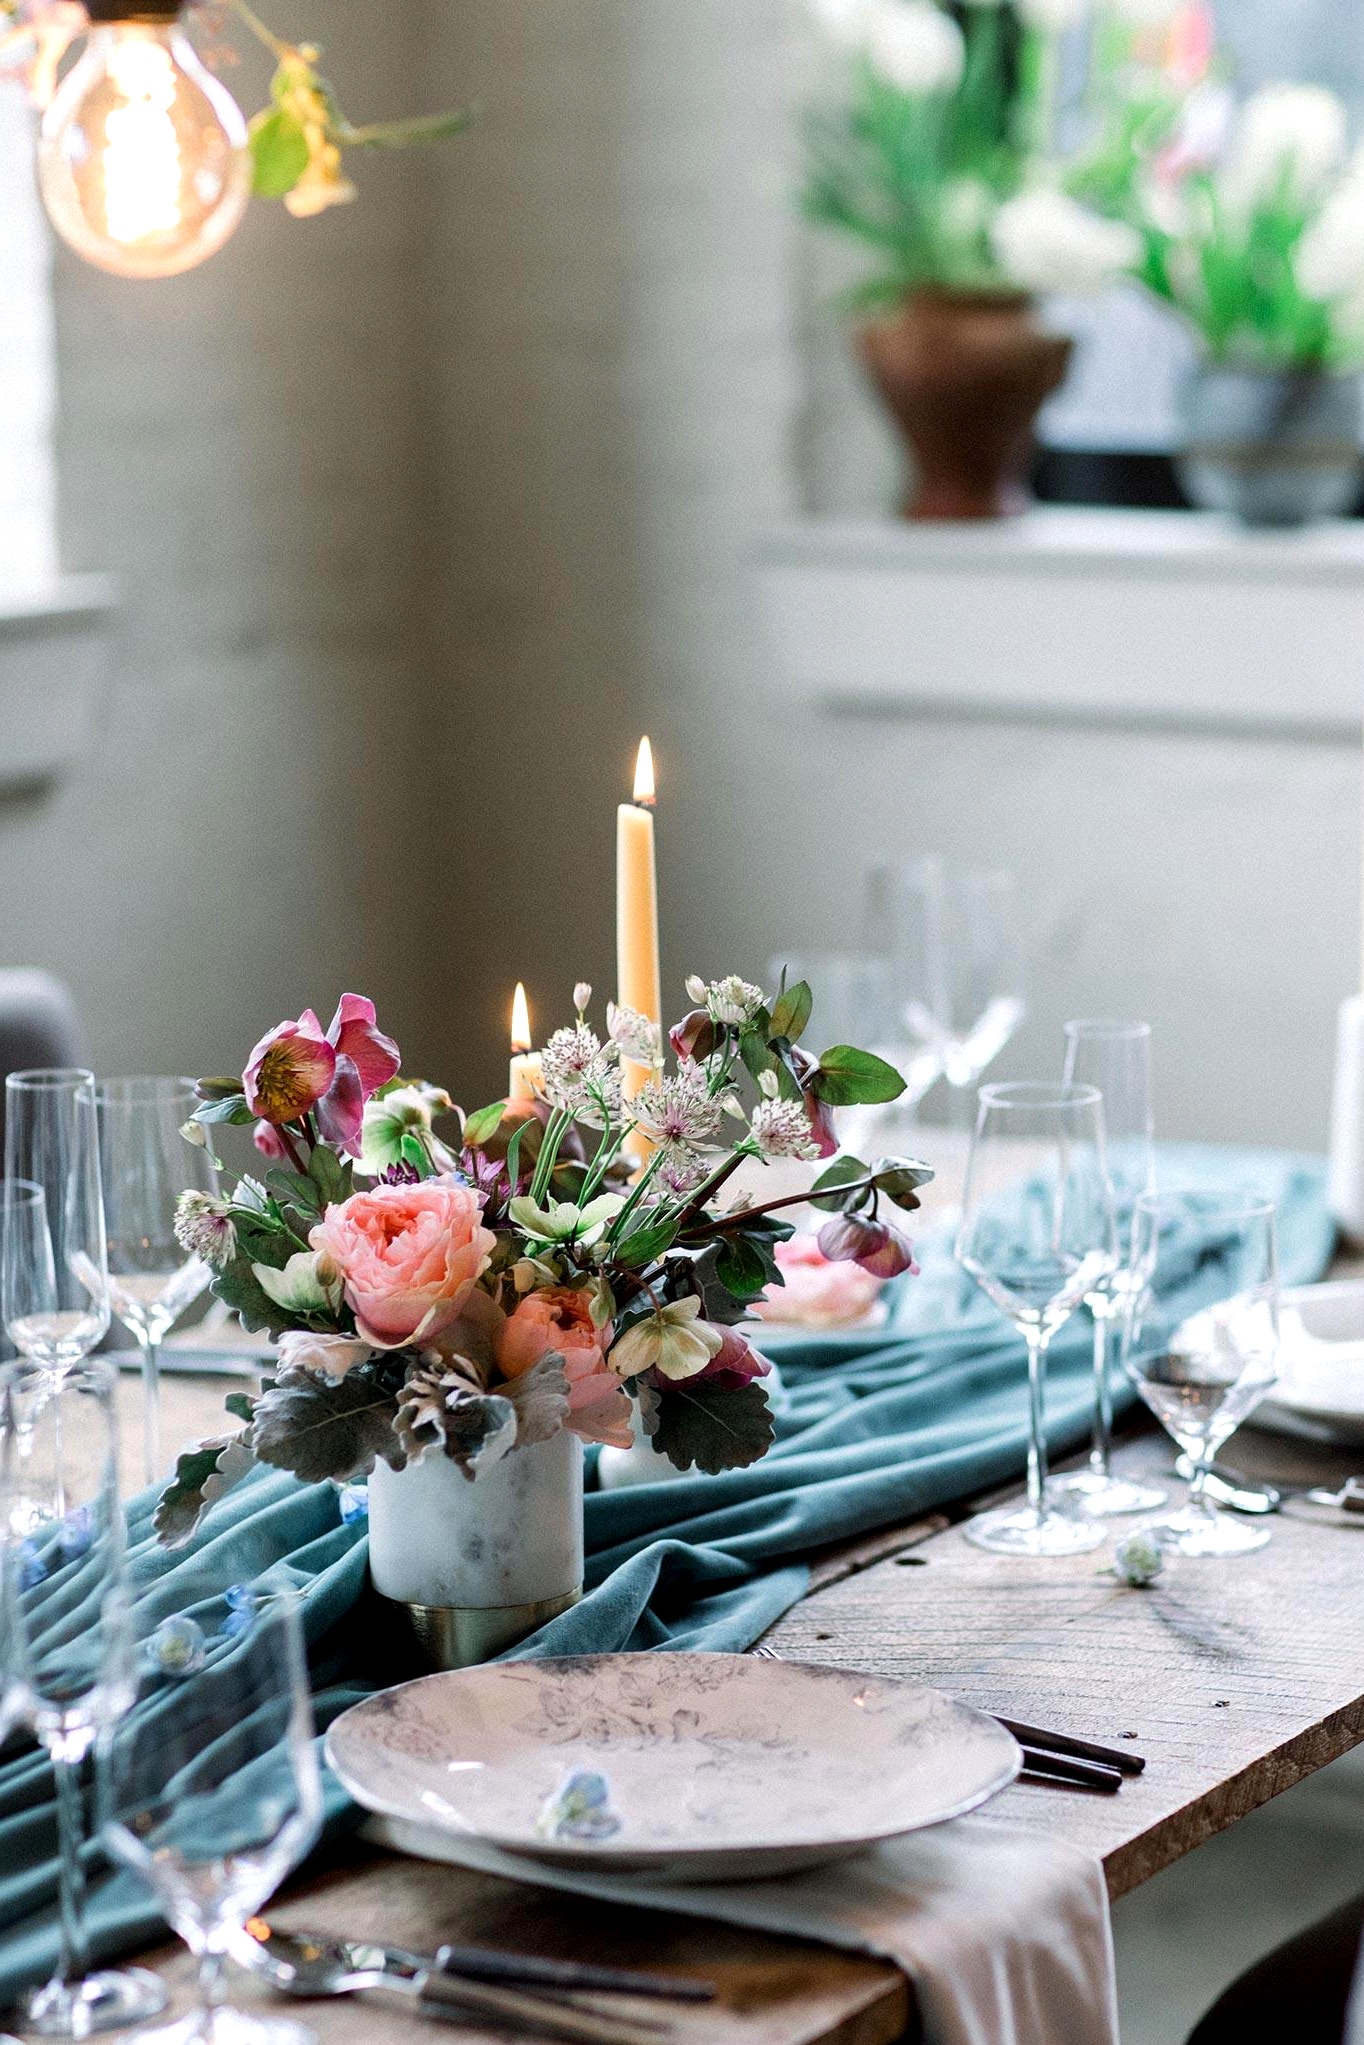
x=1005 y=1933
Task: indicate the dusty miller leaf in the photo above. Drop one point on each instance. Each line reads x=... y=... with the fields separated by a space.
x=712 y=1427
x=320 y=1430
x=540 y=1400
x=202 y=1475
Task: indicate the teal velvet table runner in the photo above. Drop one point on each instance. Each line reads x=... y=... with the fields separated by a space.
x=873 y=1429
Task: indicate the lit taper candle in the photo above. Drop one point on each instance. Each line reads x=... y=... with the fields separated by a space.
x=638 y=983
x=524 y=1081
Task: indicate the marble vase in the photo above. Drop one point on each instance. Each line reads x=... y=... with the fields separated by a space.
x=479 y=1566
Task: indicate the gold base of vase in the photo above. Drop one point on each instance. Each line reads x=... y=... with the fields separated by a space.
x=459 y=1636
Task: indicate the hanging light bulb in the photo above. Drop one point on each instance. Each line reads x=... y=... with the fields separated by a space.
x=143 y=161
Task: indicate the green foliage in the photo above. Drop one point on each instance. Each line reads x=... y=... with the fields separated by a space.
x=791 y=1012
x=847 y=1077
x=711 y=1427
x=239 y=1288
x=483 y=1124
x=746 y=1264
x=321 y=1431
x=279 y=152
x=833 y=1180
x=646 y=1244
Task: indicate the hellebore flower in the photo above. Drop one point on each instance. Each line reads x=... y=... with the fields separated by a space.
x=674 y=1341
x=874 y=1245
x=820 y=1113
x=295 y=1070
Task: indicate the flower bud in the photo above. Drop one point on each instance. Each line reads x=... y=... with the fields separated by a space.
x=768 y=1085
x=582 y=994
x=695 y=1036
x=873 y=1245
x=696 y=987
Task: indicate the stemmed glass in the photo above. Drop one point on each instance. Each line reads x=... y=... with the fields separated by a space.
x=952 y=937
x=146 y=1164
x=1201 y=1338
x=1037 y=1236
x=67 y=1646
x=1116 y=1058
x=855 y=1003
x=54 y=1280
x=211 y=1792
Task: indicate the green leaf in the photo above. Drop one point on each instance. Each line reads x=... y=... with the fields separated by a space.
x=262 y=1242
x=899 y=1178
x=202 y=1474
x=712 y=1427
x=513 y=1159
x=744 y=1267
x=483 y=1124
x=846 y=1077
x=322 y=1431
x=701 y=1268
x=296 y=1187
x=755 y=1053
x=331 y=1174
x=239 y=1288
x=844 y=1171
x=647 y=1244
x=231 y=1108
x=791 y=1012
x=217 y=1089
x=408 y=134
x=241 y=1406
x=279 y=152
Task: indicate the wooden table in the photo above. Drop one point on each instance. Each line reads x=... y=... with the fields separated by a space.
x=1236 y=1680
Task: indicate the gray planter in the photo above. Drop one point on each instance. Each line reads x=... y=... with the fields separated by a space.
x=1277 y=449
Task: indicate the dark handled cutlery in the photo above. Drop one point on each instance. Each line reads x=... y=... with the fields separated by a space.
x=1117 y=1760
x=1047 y=1764
x=480 y=1963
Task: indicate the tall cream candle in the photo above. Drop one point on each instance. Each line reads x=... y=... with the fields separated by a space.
x=525 y=1077
x=638 y=982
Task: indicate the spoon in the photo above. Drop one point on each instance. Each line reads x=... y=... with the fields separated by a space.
x=306 y=1966
x=1230 y=1488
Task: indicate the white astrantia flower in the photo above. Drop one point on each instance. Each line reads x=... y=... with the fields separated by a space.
x=634 y=1034
x=1329 y=260
x=913 y=45
x=1046 y=241
x=733 y=1000
x=678 y=1113
x=1296 y=132
x=580 y=1073
x=782 y=1129
x=204 y=1227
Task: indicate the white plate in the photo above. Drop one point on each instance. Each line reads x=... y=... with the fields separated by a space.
x=1320 y=1393
x=720 y=1767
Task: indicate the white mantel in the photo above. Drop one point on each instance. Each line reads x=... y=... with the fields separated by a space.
x=1136 y=619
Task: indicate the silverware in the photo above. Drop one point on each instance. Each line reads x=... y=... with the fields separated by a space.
x=483 y=1963
x=1059 y=1758
x=1245 y=1494
x=298 y=1964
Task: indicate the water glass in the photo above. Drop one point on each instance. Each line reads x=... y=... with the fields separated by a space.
x=146 y=1164
x=211 y=1790
x=1116 y=1058
x=67 y=1648
x=1201 y=1338
x=951 y=936
x=1037 y=1236
x=54 y=1282
x=855 y=1004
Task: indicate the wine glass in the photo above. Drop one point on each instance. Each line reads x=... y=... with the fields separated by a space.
x=1115 y=1057
x=146 y=1164
x=211 y=1792
x=855 y=1003
x=67 y=1646
x=951 y=934
x=54 y=1280
x=1201 y=1338
x=1037 y=1236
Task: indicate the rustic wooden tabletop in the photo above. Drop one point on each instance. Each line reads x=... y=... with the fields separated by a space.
x=1234 y=1679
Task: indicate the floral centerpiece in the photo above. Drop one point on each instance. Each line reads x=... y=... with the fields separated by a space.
x=1251 y=226
x=938 y=154
x=563 y=1269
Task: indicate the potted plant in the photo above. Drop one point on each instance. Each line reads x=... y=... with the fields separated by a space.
x=1252 y=229
x=935 y=150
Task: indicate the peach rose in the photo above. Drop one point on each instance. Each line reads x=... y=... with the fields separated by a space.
x=817 y=1293
x=409 y=1256
x=558 y=1321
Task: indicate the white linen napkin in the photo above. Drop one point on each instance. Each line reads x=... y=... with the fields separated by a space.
x=1005 y=1933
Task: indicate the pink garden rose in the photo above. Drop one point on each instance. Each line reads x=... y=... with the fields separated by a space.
x=295 y=1070
x=558 y=1321
x=817 y=1293
x=409 y=1256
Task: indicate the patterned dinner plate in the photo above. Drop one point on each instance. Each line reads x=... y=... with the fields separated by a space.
x=686 y=1767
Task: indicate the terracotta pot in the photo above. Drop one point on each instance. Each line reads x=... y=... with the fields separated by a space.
x=964 y=377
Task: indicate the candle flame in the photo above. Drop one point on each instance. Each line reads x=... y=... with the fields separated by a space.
x=645 y=792
x=521 y=1039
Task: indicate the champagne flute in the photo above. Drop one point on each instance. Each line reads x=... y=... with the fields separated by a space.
x=211 y=1792
x=1201 y=1339
x=54 y=1280
x=146 y=1164
x=1115 y=1057
x=1037 y=1236
x=67 y=1647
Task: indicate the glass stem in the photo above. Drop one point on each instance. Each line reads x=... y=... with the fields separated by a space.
x=73 y=1961
x=1101 y=1454
x=1198 y=1499
x=1037 y=1435
x=212 y=1982
x=151 y=1406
